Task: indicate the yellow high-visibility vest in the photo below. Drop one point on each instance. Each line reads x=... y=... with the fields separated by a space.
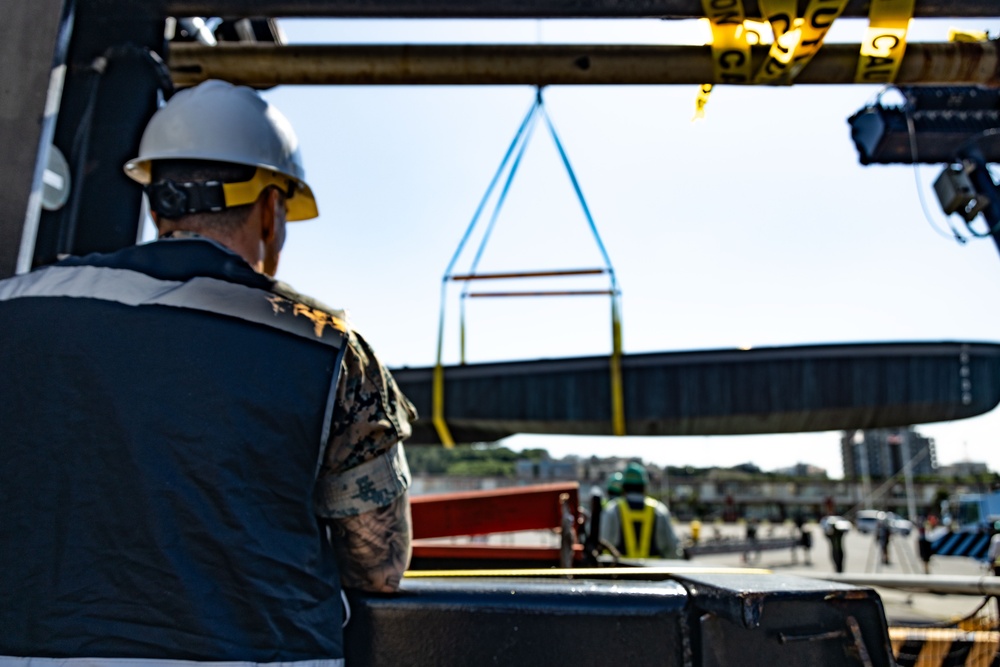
x=637 y=546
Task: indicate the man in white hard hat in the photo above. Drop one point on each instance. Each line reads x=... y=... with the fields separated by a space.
x=196 y=457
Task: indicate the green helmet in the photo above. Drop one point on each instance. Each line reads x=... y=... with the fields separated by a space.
x=635 y=475
x=615 y=484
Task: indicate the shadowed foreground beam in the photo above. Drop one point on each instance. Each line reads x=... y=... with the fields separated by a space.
x=521 y=8
x=716 y=392
x=545 y=64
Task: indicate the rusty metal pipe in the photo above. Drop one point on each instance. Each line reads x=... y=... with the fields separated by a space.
x=550 y=64
x=522 y=8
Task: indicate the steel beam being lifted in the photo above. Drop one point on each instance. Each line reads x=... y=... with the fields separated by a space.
x=522 y=8
x=549 y=64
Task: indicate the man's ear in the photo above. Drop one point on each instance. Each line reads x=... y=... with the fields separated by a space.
x=270 y=201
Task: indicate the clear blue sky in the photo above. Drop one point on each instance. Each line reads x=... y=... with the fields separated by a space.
x=756 y=226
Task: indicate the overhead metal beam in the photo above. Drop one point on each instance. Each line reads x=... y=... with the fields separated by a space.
x=522 y=8
x=549 y=64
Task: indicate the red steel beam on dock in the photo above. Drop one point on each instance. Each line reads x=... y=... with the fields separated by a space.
x=483 y=512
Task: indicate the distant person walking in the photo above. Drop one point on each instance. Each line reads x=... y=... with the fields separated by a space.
x=806 y=542
x=883 y=534
x=993 y=557
x=751 y=547
x=924 y=549
x=835 y=531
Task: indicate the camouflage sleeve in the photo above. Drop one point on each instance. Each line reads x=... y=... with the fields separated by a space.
x=364 y=467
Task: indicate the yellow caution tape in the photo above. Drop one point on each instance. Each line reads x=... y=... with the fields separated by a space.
x=603 y=572
x=796 y=41
x=885 y=41
x=820 y=15
x=781 y=14
x=756 y=32
x=943 y=646
x=730 y=50
x=701 y=101
x=967 y=36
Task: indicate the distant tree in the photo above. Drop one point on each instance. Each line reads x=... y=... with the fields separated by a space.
x=482 y=468
x=462 y=460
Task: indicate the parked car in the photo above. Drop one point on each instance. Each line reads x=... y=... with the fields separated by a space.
x=866 y=522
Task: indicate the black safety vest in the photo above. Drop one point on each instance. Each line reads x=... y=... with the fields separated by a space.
x=163 y=413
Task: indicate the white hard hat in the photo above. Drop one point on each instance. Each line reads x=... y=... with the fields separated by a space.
x=225 y=123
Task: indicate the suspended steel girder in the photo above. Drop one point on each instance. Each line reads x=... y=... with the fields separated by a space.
x=548 y=64
x=713 y=392
x=518 y=8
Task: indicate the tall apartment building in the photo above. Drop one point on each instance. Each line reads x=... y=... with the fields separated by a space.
x=886 y=453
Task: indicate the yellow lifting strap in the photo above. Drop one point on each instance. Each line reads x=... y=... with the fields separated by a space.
x=645 y=519
x=437 y=391
x=437 y=408
x=617 y=390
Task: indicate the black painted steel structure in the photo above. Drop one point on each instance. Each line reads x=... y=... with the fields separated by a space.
x=513 y=8
x=697 y=618
x=715 y=392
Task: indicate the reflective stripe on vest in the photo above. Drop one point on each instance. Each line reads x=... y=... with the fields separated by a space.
x=637 y=546
x=207 y=294
x=211 y=295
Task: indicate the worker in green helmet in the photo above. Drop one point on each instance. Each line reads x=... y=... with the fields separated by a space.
x=614 y=487
x=637 y=525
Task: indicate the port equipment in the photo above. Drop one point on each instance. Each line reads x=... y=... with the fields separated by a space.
x=85 y=76
x=506 y=172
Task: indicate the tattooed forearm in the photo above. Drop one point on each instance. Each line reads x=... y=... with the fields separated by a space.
x=373 y=549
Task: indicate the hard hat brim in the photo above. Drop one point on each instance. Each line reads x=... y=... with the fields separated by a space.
x=300 y=206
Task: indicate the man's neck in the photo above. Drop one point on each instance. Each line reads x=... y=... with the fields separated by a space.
x=237 y=243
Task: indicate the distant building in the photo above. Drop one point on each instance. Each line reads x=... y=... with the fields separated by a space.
x=882 y=453
x=547 y=470
x=964 y=469
x=802 y=470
